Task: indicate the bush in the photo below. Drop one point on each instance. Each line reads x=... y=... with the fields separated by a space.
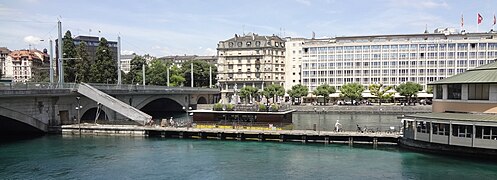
x=230 y=107
x=217 y=107
x=262 y=107
x=275 y=107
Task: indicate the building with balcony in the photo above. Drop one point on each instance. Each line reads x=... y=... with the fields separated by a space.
x=250 y=60
x=464 y=117
x=293 y=61
x=394 y=59
x=4 y=52
x=22 y=65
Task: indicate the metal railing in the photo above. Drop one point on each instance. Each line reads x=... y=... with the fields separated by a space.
x=128 y=87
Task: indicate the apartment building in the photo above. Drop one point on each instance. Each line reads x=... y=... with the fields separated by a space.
x=21 y=65
x=250 y=60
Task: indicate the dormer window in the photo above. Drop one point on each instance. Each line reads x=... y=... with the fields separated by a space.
x=249 y=43
x=240 y=44
x=257 y=43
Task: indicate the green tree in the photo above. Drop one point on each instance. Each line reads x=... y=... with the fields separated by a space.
x=353 y=91
x=380 y=91
x=324 y=90
x=69 y=52
x=273 y=91
x=104 y=70
x=82 y=64
x=157 y=73
x=429 y=89
x=297 y=92
x=135 y=73
x=40 y=73
x=248 y=92
x=200 y=73
x=409 y=90
x=176 y=76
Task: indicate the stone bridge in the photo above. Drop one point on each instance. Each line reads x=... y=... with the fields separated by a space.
x=34 y=108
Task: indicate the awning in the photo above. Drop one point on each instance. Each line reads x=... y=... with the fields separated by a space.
x=425 y=95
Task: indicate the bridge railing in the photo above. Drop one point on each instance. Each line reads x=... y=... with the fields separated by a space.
x=32 y=86
x=129 y=87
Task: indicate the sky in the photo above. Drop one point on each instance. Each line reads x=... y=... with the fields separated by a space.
x=194 y=27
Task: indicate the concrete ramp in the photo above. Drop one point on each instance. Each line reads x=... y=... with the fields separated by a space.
x=113 y=103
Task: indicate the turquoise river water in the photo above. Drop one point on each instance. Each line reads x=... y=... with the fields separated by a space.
x=108 y=157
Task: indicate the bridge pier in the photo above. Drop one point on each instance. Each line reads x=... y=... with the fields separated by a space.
x=304 y=139
x=202 y=135
x=261 y=137
x=351 y=141
x=221 y=136
x=240 y=137
x=326 y=140
x=282 y=138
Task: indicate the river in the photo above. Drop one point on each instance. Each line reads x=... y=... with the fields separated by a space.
x=108 y=157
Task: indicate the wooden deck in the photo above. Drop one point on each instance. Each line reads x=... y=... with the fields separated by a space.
x=304 y=136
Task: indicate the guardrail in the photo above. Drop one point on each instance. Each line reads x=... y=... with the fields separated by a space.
x=128 y=87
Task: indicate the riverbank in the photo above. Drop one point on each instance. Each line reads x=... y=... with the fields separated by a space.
x=388 y=108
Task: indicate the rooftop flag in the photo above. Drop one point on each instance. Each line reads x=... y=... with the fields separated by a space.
x=462 y=21
x=480 y=18
x=494 y=19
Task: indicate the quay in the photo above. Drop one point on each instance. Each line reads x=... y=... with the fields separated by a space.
x=303 y=136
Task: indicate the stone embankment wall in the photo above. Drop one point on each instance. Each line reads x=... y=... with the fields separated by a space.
x=361 y=108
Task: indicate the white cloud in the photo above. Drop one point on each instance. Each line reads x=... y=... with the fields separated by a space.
x=421 y=4
x=210 y=52
x=305 y=2
x=32 y=40
x=127 y=52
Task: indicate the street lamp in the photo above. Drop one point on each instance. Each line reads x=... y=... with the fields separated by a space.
x=186 y=111
x=78 y=108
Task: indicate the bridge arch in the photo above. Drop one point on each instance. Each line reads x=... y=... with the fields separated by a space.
x=162 y=107
x=202 y=100
x=90 y=114
x=17 y=117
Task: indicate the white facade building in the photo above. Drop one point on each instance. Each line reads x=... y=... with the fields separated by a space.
x=126 y=62
x=293 y=61
x=250 y=60
x=21 y=65
x=394 y=59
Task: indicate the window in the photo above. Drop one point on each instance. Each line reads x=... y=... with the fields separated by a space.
x=478 y=91
x=441 y=129
x=486 y=132
x=462 y=130
x=439 y=92
x=454 y=91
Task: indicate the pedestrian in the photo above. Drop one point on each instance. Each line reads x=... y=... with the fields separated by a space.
x=337 y=126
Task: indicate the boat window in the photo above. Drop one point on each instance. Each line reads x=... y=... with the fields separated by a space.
x=462 y=130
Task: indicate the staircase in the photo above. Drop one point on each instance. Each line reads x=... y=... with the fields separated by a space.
x=113 y=103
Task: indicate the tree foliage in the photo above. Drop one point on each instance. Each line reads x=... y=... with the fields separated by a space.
x=353 y=91
x=157 y=73
x=380 y=91
x=298 y=91
x=135 y=73
x=104 y=69
x=200 y=73
x=324 y=90
x=69 y=52
x=409 y=89
x=248 y=92
x=82 y=64
x=273 y=91
x=429 y=89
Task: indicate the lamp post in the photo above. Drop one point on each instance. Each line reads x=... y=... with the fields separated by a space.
x=78 y=108
x=187 y=115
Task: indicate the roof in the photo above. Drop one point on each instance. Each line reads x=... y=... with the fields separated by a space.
x=456 y=117
x=483 y=74
x=4 y=50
